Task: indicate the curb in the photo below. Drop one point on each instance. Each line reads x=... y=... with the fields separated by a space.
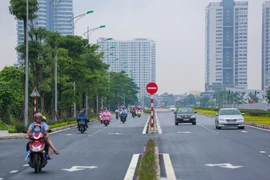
x=254 y=124
x=21 y=136
x=157 y=162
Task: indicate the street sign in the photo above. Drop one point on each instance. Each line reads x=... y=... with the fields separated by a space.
x=224 y=165
x=79 y=168
x=151 y=88
x=33 y=93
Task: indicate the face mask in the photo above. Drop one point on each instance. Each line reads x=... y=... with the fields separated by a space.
x=37 y=130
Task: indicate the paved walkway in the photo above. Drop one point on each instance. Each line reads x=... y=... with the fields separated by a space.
x=5 y=135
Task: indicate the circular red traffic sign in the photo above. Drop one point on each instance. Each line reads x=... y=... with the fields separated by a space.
x=151 y=88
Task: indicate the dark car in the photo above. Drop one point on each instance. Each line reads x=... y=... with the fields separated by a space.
x=185 y=115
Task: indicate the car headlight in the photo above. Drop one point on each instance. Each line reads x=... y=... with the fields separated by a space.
x=221 y=120
x=193 y=116
x=241 y=119
x=179 y=116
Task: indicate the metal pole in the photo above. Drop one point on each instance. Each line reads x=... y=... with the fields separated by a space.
x=26 y=72
x=86 y=95
x=102 y=102
x=55 y=65
x=35 y=101
x=97 y=103
x=74 y=101
x=124 y=99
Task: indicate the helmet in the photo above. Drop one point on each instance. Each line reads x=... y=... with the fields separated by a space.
x=37 y=129
x=38 y=115
x=44 y=118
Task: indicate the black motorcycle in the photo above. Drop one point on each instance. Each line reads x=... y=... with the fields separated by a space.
x=123 y=117
x=82 y=126
x=133 y=113
x=117 y=115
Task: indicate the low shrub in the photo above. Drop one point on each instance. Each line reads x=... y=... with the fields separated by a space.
x=13 y=130
x=147 y=167
x=4 y=126
x=147 y=111
x=19 y=126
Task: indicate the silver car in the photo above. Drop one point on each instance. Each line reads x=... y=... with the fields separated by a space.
x=229 y=117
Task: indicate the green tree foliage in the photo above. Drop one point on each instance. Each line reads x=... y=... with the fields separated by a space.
x=11 y=93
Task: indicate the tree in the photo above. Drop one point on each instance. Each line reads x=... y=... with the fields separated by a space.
x=190 y=100
x=204 y=100
x=18 y=9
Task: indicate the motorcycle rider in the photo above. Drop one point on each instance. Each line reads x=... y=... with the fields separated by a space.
x=82 y=116
x=117 y=112
x=44 y=129
x=106 y=112
x=123 y=111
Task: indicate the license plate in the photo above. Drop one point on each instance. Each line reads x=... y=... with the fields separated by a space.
x=81 y=122
x=186 y=119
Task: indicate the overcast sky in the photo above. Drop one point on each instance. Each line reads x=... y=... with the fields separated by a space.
x=177 y=26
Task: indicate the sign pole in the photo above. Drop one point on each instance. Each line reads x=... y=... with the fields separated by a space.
x=35 y=101
x=152 y=112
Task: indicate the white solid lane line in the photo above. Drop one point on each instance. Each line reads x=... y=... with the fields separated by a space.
x=13 y=171
x=244 y=131
x=132 y=167
x=169 y=167
x=262 y=152
x=26 y=165
x=59 y=131
x=145 y=126
x=208 y=129
x=158 y=126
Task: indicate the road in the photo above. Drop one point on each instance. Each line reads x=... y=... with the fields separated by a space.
x=107 y=150
x=198 y=152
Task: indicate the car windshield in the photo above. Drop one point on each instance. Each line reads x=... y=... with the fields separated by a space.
x=172 y=106
x=229 y=112
x=185 y=111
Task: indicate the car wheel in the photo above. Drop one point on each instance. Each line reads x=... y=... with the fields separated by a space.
x=241 y=127
x=194 y=123
x=218 y=127
x=176 y=123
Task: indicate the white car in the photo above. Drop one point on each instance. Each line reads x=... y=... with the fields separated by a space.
x=229 y=117
x=172 y=108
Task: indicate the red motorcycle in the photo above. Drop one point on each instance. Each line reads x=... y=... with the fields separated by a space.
x=106 y=119
x=36 y=153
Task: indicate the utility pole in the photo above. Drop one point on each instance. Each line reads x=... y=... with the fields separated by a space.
x=26 y=71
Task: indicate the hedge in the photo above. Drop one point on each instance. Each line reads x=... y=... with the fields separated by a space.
x=147 y=169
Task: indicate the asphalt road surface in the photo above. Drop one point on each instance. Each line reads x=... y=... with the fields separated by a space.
x=105 y=152
x=200 y=152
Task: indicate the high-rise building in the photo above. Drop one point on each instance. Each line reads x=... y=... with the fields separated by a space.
x=52 y=15
x=136 y=57
x=226 y=25
x=266 y=45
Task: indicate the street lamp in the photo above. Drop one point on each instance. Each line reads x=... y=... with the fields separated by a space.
x=26 y=72
x=92 y=30
x=79 y=17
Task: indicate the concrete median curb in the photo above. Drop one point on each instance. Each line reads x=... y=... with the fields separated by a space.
x=254 y=124
x=21 y=135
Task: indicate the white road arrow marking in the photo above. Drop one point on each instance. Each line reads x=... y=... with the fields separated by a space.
x=13 y=171
x=186 y=132
x=224 y=165
x=263 y=152
x=244 y=131
x=79 y=168
x=66 y=134
x=114 y=133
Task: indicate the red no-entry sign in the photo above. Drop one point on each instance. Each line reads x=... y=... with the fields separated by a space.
x=151 y=88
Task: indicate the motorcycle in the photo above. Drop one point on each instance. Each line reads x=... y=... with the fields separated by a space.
x=82 y=126
x=133 y=114
x=100 y=118
x=36 y=153
x=123 y=117
x=117 y=115
x=139 y=114
x=106 y=120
